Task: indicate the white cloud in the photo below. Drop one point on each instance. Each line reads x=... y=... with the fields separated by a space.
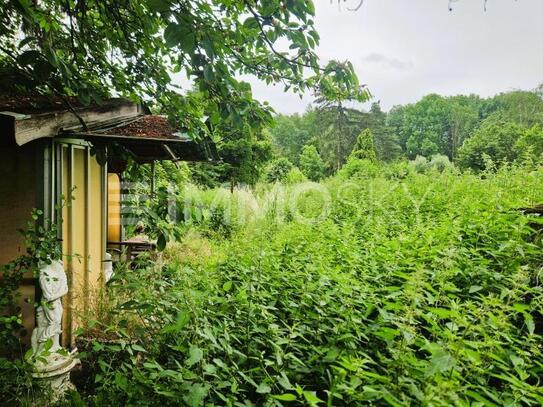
x=387 y=62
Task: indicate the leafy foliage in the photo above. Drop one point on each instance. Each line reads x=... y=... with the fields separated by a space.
x=387 y=144
x=338 y=129
x=440 y=163
x=425 y=126
x=437 y=163
x=94 y=49
x=42 y=246
x=521 y=107
x=364 y=149
x=415 y=289
x=441 y=125
x=295 y=176
x=494 y=139
x=311 y=163
x=435 y=125
x=290 y=133
x=530 y=143
x=357 y=168
x=278 y=170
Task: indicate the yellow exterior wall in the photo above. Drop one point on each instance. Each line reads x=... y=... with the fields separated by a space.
x=66 y=242
x=17 y=199
x=82 y=236
x=114 y=233
x=83 y=224
x=96 y=230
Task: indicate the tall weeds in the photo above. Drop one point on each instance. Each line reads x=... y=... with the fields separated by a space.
x=419 y=289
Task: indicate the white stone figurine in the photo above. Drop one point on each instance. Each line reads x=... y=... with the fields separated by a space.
x=54 y=286
x=52 y=367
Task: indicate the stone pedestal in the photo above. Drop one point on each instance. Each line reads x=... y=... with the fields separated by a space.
x=54 y=375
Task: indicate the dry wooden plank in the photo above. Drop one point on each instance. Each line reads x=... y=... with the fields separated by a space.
x=50 y=124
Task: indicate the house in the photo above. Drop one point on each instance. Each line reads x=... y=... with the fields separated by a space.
x=46 y=153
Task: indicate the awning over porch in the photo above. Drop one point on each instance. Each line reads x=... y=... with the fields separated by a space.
x=149 y=138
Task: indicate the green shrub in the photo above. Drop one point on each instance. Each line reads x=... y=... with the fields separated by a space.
x=278 y=170
x=364 y=149
x=530 y=144
x=420 y=164
x=397 y=170
x=359 y=168
x=437 y=163
x=440 y=163
x=311 y=163
x=496 y=139
x=295 y=176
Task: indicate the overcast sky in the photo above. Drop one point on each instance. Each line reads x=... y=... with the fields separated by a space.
x=405 y=49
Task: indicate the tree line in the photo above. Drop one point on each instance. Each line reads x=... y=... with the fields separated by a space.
x=465 y=128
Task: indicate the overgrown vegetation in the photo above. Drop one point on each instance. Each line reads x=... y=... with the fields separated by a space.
x=394 y=287
x=409 y=276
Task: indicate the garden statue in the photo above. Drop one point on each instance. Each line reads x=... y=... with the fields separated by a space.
x=52 y=363
x=54 y=286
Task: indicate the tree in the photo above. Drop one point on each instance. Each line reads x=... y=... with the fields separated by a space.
x=539 y=90
x=425 y=128
x=364 y=148
x=340 y=125
x=463 y=119
x=339 y=129
x=387 y=146
x=95 y=49
x=522 y=107
x=530 y=144
x=435 y=124
x=495 y=139
x=244 y=160
x=311 y=163
x=289 y=134
x=278 y=169
x=244 y=149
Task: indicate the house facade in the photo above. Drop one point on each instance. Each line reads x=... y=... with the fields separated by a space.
x=46 y=158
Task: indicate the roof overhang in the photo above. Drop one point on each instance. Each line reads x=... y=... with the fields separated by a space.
x=24 y=128
x=111 y=123
x=144 y=150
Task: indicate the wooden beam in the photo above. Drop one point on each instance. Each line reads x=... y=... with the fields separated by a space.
x=97 y=136
x=32 y=127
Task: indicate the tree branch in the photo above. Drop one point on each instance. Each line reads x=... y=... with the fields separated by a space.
x=49 y=85
x=292 y=61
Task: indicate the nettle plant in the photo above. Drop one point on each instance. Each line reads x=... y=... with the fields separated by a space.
x=422 y=290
